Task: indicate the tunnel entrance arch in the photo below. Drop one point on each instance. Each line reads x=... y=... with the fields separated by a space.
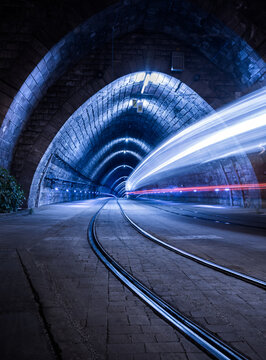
x=204 y=33
x=111 y=115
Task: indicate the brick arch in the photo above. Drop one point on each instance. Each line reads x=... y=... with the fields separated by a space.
x=44 y=29
x=179 y=19
x=121 y=143
x=116 y=173
x=164 y=111
x=119 y=187
x=112 y=162
x=42 y=127
x=123 y=154
x=117 y=181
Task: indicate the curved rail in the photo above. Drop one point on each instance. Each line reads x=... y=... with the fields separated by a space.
x=254 y=281
x=199 y=336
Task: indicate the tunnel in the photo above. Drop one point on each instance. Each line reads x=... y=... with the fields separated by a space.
x=132 y=179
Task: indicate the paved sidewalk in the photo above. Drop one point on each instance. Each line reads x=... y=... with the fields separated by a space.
x=57 y=301
x=226 y=306
x=62 y=287
x=237 y=247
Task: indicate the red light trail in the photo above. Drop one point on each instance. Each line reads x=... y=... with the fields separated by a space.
x=216 y=188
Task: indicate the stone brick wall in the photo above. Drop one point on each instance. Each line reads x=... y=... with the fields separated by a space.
x=230 y=170
x=177 y=19
x=105 y=116
x=28 y=29
x=218 y=65
x=165 y=111
x=61 y=183
x=246 y=18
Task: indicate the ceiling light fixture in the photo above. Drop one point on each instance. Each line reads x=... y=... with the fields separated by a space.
x=145 y=83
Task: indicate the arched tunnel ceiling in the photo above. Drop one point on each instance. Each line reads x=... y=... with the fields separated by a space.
x=118 y=181
x=124 y=156
x=36 y=25
x=129 y=143
x=85 y=141
x=179 y=19
x=119 y=170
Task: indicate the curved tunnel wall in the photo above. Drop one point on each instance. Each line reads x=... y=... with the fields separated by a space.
x=164 y=112
x=180 y=19
x=230 y=66
x=111 y=112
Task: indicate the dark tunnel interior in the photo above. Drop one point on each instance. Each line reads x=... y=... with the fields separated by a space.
x=132 y=180
x=82 y=107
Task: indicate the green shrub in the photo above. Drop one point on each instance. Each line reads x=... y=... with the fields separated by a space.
x=11 y=194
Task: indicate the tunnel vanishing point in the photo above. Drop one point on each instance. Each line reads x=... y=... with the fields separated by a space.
x=123 y=122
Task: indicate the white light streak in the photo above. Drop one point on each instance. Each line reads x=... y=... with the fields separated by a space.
x=238 y=128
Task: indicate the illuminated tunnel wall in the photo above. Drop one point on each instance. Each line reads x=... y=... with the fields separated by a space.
x=110 y=118
x=63 y=126
x=180 y=19
x=110 y=114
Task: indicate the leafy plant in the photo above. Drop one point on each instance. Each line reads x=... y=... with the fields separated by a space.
x=11 y=194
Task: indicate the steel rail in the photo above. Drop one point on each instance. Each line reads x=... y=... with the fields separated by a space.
x=250 y=279
x=205 y=340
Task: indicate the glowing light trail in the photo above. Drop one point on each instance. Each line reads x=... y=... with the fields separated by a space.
x=236 y=129
x=234 y=187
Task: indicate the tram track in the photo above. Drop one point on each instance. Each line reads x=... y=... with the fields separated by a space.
x=229 y=272
x=202 y=338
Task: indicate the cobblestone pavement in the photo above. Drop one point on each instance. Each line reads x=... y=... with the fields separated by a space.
x=57 y=300
x=233 y=310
